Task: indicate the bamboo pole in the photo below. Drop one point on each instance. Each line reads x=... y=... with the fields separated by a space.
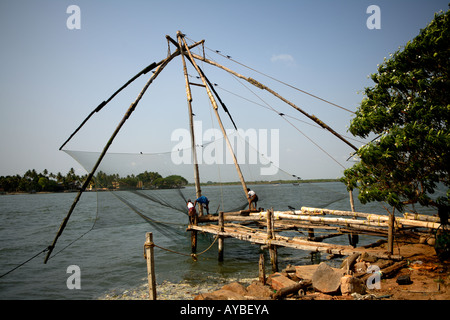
x=105 y=149
x=324 y=219
x=105 y=102
x=376 y=217
x=421 y=217
x=149 y=256
x=215 y=107
x=198 y=191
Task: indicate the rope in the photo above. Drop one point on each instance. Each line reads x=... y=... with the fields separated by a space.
x=279 y=81
x=194 y=256
x=282 y=115
x=23 y=263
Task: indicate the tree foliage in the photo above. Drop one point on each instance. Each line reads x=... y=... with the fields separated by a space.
x=32 y=181
x=408 y=109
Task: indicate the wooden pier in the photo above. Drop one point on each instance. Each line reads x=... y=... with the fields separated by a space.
x=265 y=228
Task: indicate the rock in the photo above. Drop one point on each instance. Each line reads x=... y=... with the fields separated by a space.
x=423 y=239
x=360 y=267
x=236 y=287
x=220 y=294
x=259 y=291
x=305 y=272
x=326 y=279
x=350 y=284
x=404 y=280
x=280 y=281
x=368 y=257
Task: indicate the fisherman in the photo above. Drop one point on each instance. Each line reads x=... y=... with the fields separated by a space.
x=203 y=201
x=253 y=198
x=191 y=211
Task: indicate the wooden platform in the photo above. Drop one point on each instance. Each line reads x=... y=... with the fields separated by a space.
x=266 y=228
x=258 y=237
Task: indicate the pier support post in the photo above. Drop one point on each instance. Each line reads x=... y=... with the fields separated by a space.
x=221 y=240
x=353 y=238
x=148 y=250
x=262 y=269
x=391 y=233
x=270 y=236
x=194 y=234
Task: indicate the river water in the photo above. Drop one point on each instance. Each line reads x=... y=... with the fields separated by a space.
x=109 y=257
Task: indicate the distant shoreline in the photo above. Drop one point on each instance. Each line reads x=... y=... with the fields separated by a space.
x=275 y=182
x=278 y=182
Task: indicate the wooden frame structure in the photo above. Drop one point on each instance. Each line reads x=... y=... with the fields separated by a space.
x=236 y=224
x=268 y=226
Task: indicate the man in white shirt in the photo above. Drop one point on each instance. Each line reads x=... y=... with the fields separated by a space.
x=253 y=199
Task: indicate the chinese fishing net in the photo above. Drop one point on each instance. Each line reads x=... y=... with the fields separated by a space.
x=155 y=187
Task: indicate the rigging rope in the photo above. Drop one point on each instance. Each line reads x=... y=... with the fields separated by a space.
x=281 y=114
x=275 y=79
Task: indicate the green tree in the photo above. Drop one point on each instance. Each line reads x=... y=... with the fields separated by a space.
x=408 y=109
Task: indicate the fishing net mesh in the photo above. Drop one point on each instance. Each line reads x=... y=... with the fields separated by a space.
x=155 y=187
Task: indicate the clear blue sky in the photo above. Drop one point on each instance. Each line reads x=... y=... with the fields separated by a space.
x=52 y=77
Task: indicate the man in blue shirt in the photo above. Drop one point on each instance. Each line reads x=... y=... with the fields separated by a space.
x=203 y=201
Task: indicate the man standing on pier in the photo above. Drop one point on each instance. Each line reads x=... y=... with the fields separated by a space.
x=203 y=201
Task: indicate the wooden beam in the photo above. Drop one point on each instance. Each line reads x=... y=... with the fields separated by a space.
x=261 y=238
x=376 y=217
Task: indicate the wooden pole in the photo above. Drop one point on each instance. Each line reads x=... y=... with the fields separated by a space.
x=353 y=238
x=194 y=235
x=263 y=87
x=261 y=238
x=262 y=269
x=198 y=191
x=149 y=245
x=391 y=233
x=105 y=150
x=371 y=218
x=270 y=236
x=221 y=239
x=215 y=107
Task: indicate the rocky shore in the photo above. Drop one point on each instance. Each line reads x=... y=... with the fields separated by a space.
x=167 y=290
x=419 y=276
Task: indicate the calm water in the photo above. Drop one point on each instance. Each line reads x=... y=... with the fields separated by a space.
x=110 y=254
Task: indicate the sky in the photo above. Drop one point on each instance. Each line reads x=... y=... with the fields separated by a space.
x=53 y=75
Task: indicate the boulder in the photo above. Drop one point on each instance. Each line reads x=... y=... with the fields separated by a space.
x=236 y=287
x=365 y=256
x=305 y=272
x=350 y=284
x=360 y=267
x=220 y=294
x=280 y=281
x=326 y=280
x=259 y=291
